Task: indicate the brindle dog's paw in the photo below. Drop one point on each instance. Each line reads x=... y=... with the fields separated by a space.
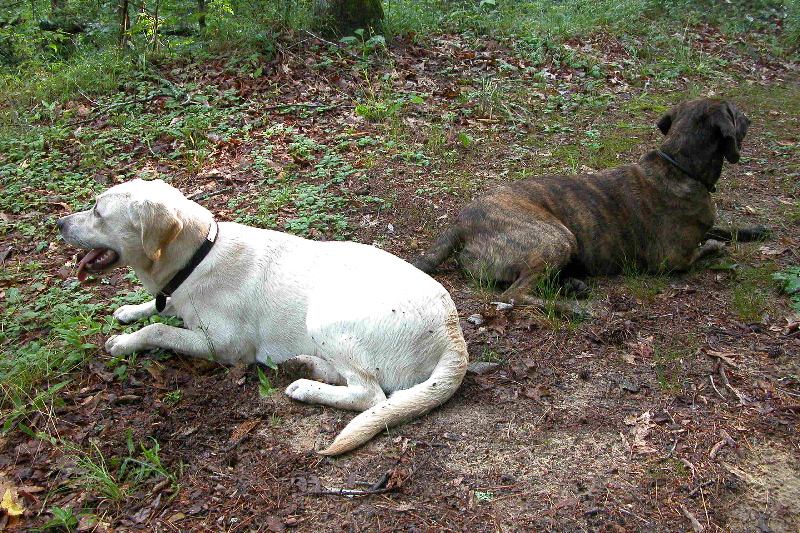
x=711 y=248
x=566 y=309
x=309 y=366
x=575 y=288
x=297 y=367
x=753 y=233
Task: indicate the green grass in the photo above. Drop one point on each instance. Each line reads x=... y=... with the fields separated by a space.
x=671 y=357
x=752 y=292
x=117 y=479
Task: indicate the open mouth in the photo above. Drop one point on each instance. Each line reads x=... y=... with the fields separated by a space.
x=96 y=261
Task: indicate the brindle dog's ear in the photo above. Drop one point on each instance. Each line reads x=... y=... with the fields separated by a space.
x=665 y=123
x=733 y=126
x=160 y=226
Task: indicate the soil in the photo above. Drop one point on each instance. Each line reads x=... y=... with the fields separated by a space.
x=664 y=411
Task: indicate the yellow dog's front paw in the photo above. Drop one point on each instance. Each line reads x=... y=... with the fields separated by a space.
x=302 y=390
x=118 y=345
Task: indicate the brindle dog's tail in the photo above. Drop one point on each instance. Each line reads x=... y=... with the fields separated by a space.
x=410 y=403
x=449 y=242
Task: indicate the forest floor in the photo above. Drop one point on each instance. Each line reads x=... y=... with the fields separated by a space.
x=674 y=407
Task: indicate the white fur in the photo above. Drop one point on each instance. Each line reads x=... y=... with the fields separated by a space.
x=365 y=321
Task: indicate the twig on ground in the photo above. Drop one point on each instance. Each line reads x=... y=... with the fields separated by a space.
x=374 y=490
x=207 y=195
x=161 y=485
x=689 y=465
x=701 y=486
x=107 y=107
x=312 y=106
x=788 y=408
x=339 y=46
x=671 y=450
x=716 y=448
x=743 y=400
x=714 y=386
x=726 y=439
x=696 y=525
x=381 y=483
x=429 y=444
x=621 y=510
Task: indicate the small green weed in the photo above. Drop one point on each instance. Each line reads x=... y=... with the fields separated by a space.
x=490 y=356
x=136 y=471
x=484 y=496
x=365 y=45
x=789 y=281
x=749 y=297
x=646 y=286
x=63 y=520
x=173 y=397
x=97 y=476
x=23 y=408
x=378 y=109
x=265 y=388
x=670 y=360
x=117 y=478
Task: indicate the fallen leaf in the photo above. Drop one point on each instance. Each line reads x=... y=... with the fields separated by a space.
x=243 y=429
x=767 y=249
x=10 y=505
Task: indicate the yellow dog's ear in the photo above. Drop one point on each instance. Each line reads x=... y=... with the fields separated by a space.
x=160 y=226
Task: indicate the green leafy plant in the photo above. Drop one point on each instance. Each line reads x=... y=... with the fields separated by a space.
x=63 y=519
x=265 y=388
x=137 y=470
x=484 y=496
x=173 y=397
x=790 y=284
x=366 y=45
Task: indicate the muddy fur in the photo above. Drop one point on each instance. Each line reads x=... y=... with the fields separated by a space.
x=651 y=215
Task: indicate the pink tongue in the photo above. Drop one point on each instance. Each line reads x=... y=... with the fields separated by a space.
x=91 y=256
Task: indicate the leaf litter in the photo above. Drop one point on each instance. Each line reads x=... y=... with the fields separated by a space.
x=559 y=436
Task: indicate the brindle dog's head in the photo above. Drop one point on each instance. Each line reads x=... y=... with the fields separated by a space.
x=699 y=133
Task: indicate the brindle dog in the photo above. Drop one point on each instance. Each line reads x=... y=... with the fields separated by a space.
x=652 y=215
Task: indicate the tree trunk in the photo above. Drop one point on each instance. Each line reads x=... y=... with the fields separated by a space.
x=124 y=22
x=339 y=18
x=201 y=9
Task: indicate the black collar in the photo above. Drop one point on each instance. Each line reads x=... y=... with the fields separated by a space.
x=185 y=272
x=685 y=170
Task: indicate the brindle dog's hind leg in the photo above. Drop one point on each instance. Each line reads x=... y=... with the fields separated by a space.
x=555 y=249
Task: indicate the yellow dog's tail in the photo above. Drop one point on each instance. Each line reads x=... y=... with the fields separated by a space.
x=406 y=404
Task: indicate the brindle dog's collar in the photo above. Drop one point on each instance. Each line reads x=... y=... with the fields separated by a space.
x=685 y=170
x=185 y=272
